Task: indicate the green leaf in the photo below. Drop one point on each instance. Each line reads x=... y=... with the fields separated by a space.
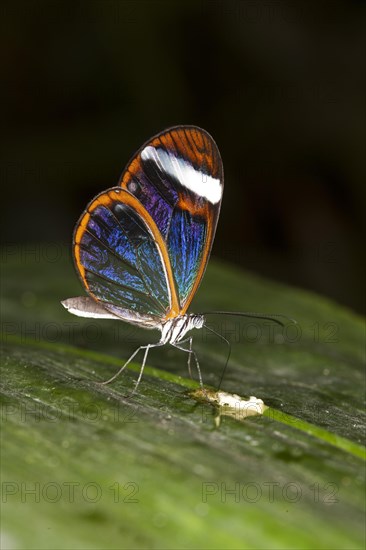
x=84 y=466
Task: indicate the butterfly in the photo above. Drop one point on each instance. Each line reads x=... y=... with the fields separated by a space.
x=141 y=248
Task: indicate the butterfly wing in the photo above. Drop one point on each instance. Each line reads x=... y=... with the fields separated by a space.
x=119 y=255
x=141 y=248
x=178 y=178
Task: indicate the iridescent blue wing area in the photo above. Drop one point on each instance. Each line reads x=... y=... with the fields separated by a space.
x=118 y=256
x=177 y=177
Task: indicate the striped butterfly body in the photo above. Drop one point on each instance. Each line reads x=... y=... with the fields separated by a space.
x=141 y=248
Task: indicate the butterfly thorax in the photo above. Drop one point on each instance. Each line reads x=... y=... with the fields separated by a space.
x=173 y=330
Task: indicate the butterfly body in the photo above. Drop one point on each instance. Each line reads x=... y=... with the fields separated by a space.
x=141 y=247
x=174 y=330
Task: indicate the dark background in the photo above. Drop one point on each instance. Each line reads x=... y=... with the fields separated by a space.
x=279 y=85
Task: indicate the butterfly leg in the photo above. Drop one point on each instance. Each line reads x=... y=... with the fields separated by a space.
x=189 y=357
x=147 y=348
x=129 y=361
x=191 y=352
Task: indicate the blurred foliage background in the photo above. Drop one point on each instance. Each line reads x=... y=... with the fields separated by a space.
x=280 y=86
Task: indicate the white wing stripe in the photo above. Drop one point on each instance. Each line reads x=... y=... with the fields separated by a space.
x=202 y=184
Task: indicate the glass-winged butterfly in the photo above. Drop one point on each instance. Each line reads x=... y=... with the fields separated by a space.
x=141 y=248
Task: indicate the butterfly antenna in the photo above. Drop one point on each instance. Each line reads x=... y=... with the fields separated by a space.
x=275 y=317
x=228 y=355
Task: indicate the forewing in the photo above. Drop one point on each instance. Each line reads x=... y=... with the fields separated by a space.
x=177 y=176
